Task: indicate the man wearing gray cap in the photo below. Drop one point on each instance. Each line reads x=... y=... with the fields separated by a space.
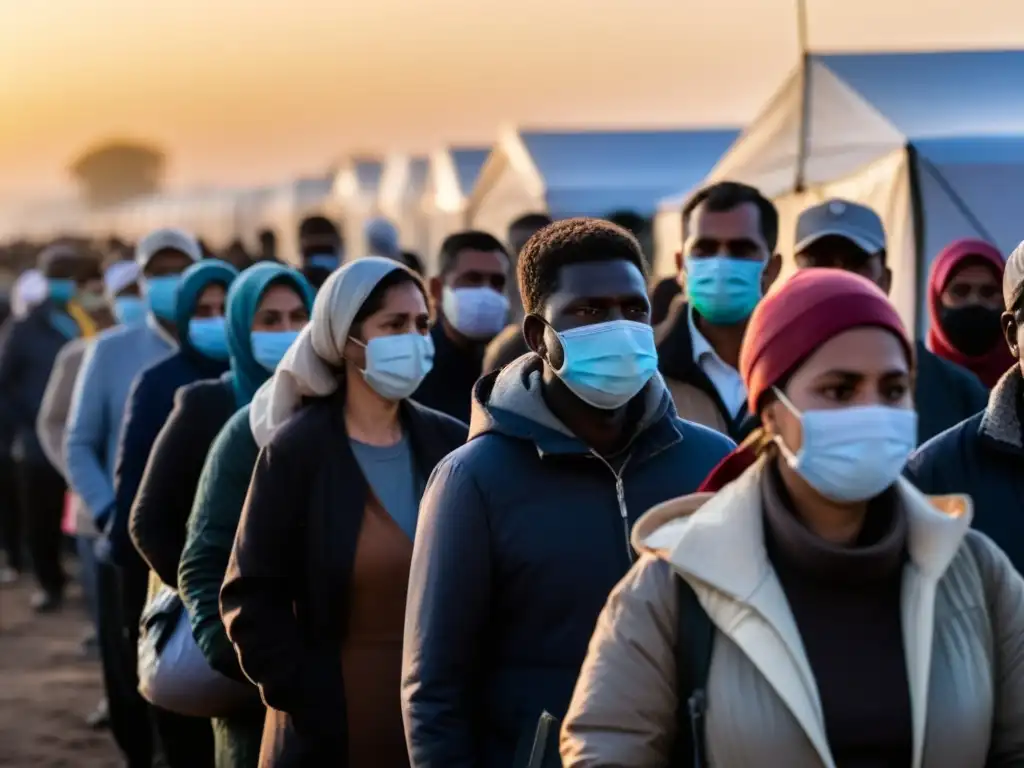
x=983 y=457
x=844 y=235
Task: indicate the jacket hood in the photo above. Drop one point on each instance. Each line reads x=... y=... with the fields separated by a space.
x=692 y=531
x=510 y=402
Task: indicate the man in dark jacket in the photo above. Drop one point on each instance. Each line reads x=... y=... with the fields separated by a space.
x=469 y=295
x=524 y=530
x=844 y=235
x=727 y=263
x=983 y=457
x=26 y=360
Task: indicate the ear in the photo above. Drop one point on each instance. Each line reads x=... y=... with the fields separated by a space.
x=886 y=282
x=771 y=272
x=769 y=421
x=533 y=332
x=435 y=287
x=679 y=262
x=1010 y=334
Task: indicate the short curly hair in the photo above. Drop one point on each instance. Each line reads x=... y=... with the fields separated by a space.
x=571 y=241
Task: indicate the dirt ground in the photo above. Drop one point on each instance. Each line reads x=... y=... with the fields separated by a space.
x=47 y=688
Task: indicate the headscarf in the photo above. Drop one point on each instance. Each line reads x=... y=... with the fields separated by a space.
x=120 y=275
x=792 y=321
x=243 y=301
x=990 y=366
x=309 y=367
x=29 y=291
x=194 y=281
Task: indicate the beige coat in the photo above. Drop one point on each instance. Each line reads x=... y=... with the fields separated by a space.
x=963 y=619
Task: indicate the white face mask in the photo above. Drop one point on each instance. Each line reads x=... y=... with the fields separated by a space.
x=397 y=365
x=851 y=454
x=477 y=313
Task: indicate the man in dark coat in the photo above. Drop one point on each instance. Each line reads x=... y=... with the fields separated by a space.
x=983 y=457
x=469 y=297
x=525 y=530
x=844 y=235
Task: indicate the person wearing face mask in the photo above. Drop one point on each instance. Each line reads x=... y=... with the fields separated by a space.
x=98 y=403
x=983 y=456
x=265 y=320
x=525 y=529
x=836 y=633
x=728 y=260
x=965 y=304
x=314 y=600
x=27 y=357
x=320 y=246
x=472 y=307
x=844 y=235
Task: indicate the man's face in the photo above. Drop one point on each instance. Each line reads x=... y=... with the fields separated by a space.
x=479 y=269
x=587 y=294
x=167 y=262
x=312 y=246
x=1013 y=331
x=837 y=252
x=735 y=233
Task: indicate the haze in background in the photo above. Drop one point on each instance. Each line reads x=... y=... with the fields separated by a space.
x=252 y=91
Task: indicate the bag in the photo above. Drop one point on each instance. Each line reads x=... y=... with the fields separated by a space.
x=173 y=673
x=694 y=645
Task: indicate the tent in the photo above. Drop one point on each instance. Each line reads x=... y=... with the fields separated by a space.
x=592 y=173
x=933 y=141
x=451 y=175
x=356 y=192
x=401 y=190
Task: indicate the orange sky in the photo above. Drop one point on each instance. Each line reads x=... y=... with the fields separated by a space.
x=251 y=91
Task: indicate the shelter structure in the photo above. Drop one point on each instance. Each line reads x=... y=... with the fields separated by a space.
x=451 y=175
x=356 y=193
x=932 y=141
x=402 y=184
x=589 y=173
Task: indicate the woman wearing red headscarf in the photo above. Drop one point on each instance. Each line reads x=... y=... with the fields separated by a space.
x=836 y=616
x=965 y=301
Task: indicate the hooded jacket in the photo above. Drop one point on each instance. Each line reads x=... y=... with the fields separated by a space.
x=962 y=609
x=523 y=533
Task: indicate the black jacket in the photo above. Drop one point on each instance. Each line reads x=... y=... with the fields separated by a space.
x=448 y=387
x=284 y=598
x=983 y=457
x=159 y=514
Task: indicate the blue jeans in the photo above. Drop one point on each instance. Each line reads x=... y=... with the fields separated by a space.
x=85 y=545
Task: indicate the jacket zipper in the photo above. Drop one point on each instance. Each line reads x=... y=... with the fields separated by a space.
x=620 y=497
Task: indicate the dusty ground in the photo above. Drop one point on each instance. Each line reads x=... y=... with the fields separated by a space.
x=47 y=688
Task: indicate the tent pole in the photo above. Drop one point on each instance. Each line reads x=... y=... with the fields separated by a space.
x=805 y=85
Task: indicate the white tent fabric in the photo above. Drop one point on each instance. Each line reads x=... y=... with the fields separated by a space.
x=451 y=174
x=933 y=141
x=356 y=192
x=403 y=180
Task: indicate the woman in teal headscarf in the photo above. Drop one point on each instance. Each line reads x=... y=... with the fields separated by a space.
x=260 y=329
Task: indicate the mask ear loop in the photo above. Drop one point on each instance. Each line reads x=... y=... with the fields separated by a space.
x=791 y=458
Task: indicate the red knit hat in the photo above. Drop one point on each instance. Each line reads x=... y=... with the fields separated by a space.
x=801 y=314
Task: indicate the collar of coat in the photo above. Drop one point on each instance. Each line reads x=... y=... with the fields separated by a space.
x=743 y=596
x=1001 y=422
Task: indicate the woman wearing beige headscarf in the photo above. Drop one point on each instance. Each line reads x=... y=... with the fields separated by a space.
x=314 y=596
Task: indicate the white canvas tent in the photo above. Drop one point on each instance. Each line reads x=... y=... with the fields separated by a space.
x=591 y=173
x=356 y=193
x=933 y=141
x=401 y=190
x=451 y=175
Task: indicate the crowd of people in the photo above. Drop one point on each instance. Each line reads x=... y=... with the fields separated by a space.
x=535 y=509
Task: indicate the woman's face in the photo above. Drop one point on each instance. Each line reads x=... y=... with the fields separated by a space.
x=211 y=301
x=280 y=309
x=974 y=283
x=404 y=310
x=863 y=366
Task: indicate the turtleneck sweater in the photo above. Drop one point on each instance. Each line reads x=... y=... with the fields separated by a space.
x=846 y=603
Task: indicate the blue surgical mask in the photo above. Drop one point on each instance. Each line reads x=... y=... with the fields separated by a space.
x=607 y=364
x=724 y=289
x=268 y=347
x=61 y=291
x=851 y=454
x=161 y=294
x=209 y=336
x=476 y=313
x=130 y=310
x=397 y=365
x=323 y=261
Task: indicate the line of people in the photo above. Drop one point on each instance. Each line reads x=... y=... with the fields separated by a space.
x=378 y=527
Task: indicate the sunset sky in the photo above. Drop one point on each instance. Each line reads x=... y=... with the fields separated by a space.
x=252 y=91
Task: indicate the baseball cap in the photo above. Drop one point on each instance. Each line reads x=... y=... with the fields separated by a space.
x=167 y=239
x=841 y=218
x=1013 y=278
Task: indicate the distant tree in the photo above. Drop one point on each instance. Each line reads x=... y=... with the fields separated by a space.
x=116 y=170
